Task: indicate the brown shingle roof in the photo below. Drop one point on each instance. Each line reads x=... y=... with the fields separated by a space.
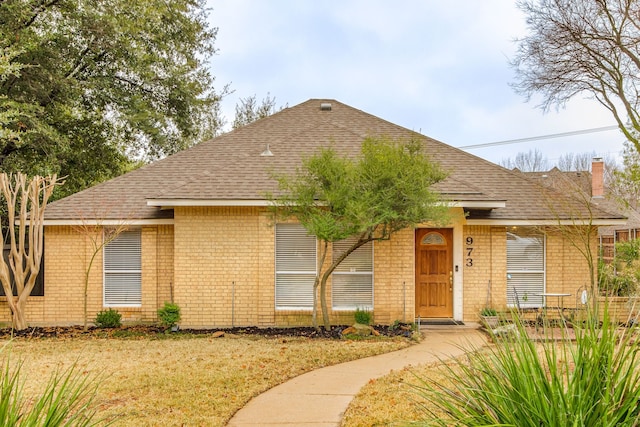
x=230 y=169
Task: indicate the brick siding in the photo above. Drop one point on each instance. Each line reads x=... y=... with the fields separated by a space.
x=217 y=264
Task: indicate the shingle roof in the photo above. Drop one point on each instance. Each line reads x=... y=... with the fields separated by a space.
x=581 y=180
x=229 y=169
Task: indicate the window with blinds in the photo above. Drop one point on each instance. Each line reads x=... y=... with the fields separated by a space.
x=352 y=280
x=123 y=271
x=295 y=267
x=525 y=267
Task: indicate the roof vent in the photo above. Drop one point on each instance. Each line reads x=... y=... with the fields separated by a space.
x=325 y=106
x=267 y=152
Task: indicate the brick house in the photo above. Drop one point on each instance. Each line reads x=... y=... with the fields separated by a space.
x=199 y=233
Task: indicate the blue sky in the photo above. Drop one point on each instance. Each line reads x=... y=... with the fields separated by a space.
x=437 y=67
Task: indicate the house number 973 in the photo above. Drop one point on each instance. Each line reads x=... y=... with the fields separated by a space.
x=468 y=261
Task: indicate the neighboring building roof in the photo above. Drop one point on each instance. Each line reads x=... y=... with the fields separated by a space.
x=564 y=181
x=230 y=171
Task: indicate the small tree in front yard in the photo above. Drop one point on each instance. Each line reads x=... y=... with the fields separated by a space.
x=387 y=188
x=25 y=201
x=98 y=236
x=568 y=198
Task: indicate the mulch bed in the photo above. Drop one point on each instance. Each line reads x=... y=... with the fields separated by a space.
x=151 y=331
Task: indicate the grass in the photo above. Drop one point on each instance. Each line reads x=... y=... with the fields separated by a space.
x=392 y=401
x=192 y=380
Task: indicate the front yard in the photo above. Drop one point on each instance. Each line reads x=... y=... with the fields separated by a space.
x=183 y=379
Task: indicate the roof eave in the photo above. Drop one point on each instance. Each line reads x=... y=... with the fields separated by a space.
x=170 y=203
x=478 y=204
x=540 y=222
x=108 y=222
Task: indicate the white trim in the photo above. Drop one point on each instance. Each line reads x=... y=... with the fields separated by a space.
x=458 y=276
x=207 y=202
x=164 y=203
x=527 y=270
x=525 y=222
x=338 y=273
x=109 y=222
x=494 y=204
x=106 y=272
x=457 y=259
x=278 y=273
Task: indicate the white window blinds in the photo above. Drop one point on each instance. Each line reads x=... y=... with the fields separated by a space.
x=525 y=267
x=352 y=280
x=295 y=267
x=123 y=271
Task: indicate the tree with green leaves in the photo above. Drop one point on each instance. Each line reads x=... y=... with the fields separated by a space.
x=249 y=110
x=86 y=86
x=625 y=185
x=587 y=47
x=387 y=188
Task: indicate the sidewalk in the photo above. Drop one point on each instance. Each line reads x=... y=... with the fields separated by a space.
x=319 y=398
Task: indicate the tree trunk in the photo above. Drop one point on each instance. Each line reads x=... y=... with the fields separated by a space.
x=323 y=302
x=314 y=315
x=25 y=201
x=18 y=318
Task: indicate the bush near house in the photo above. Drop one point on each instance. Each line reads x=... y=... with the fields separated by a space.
x=108 y=319
x=363 y=317
x=169 y=315
x=621 y=278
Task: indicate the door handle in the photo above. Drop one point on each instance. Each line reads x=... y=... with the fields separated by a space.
x=451 y=280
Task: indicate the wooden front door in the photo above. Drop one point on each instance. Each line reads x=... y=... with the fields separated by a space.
x=434 y=272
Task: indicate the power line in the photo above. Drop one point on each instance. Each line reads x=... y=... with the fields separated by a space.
x=537 y=138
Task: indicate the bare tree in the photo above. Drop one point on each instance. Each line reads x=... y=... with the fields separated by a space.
x=26 y=200
x=98 y=236
x=582 y=162
x=574 y=217
x=531 y=161
x=576 y=161
x=587 y=47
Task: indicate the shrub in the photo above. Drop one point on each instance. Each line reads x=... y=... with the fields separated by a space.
x=169 y=314
x=488 y=312
x=621 y=277
x=363 y=317
x=590 y=382
x=108 y=319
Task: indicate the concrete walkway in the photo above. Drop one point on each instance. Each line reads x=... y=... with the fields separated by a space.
x=319 y=398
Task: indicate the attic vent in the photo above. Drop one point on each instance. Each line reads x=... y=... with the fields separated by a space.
x=266 y=152
x=325 y=106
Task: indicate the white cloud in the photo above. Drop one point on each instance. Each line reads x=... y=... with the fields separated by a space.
x=433 y=66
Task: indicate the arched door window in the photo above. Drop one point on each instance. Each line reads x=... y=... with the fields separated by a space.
x=433 y=238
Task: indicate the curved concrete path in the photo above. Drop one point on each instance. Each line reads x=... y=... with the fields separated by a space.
x=319 y=398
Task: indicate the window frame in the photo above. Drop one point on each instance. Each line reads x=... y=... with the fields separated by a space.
x=337 y=273
x=281 y=301
x=38 y=288
x=107 y=299
x=525 y=299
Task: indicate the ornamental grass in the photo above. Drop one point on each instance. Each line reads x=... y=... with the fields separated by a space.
x=592 y=381
x=65 y=399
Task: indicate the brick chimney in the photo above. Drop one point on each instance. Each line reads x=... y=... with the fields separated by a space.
x=597 y=177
